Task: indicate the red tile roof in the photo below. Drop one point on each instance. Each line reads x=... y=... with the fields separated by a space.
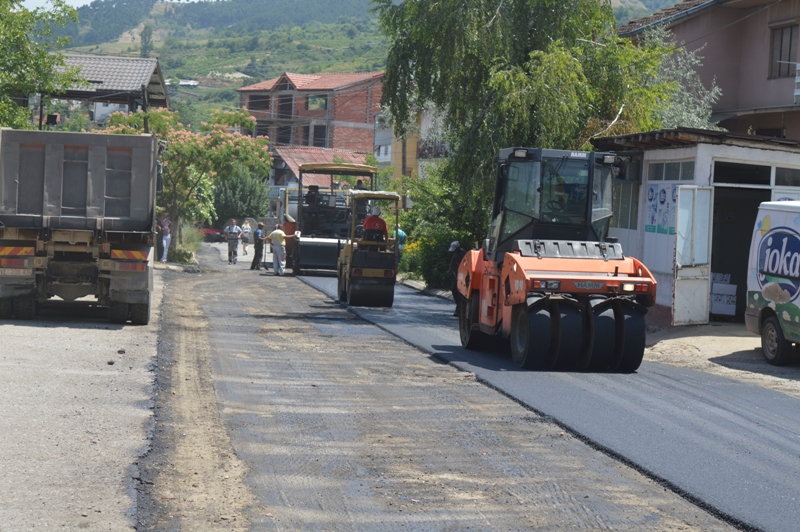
x=317 y=82
x=294 y=156
x=666 y=16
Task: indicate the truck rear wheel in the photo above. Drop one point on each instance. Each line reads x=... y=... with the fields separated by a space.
x=471 y=337
x=635 y=337
x=24 y=308
x=117 y=312
x=777 y=349
x=6 y=308
x=530 y=337
x=140 y=313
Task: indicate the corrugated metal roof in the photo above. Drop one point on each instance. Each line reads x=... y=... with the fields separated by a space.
x=667 y=15
x=318 y=82
x=684 y=136
x=294 y=156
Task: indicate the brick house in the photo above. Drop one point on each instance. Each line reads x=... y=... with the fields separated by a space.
x=320 y=110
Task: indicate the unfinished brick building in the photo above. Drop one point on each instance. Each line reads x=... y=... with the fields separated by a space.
x=321 y=110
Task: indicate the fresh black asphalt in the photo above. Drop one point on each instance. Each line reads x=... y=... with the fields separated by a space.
x=732 y=448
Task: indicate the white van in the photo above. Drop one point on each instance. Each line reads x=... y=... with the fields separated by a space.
x=773 y=279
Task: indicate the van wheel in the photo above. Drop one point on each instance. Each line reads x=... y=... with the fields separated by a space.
x=777 y=349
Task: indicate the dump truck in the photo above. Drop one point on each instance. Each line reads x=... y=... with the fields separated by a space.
x=321 y=220
x=367 y=265
x=547 y=278
x=77 y=218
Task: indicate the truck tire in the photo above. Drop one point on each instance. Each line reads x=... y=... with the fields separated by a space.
x=635 y=337
x=530 y=337
x=117 y=312
x=777 y=349
x=6 y=308
x=140 y=313
x=24 y=308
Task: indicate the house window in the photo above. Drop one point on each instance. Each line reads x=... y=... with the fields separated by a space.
x=784 y=52
x=320 y=136
x=284 y=135
x=625 y=205
x=317 y=102
x=259 y=102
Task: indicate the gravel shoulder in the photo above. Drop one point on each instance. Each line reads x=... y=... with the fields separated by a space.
x=75 y=392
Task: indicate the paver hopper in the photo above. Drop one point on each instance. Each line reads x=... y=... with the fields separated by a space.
x=367 y=267
x=547 y=277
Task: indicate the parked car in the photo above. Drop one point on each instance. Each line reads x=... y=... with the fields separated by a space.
x=210 y=234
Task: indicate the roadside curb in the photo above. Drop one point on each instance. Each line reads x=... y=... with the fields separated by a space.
x=421 y=287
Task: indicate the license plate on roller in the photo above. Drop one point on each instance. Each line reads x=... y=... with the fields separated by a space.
x=17 y=272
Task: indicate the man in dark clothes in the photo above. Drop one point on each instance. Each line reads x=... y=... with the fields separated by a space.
x=258 y=245
x=458 y=255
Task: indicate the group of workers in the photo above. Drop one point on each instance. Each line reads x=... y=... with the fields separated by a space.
x=234 y=234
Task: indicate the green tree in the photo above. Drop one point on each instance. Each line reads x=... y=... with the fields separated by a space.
x=195 y=163
x=147 y=41
x=241 y=195
x=28 y=61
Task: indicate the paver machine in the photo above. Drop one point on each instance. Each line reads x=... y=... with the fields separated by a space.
x=367 y=266
x=321 y=220
x=547 y=278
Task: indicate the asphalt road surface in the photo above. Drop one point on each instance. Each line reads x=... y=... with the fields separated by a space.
x=278 y=409
x=730 y=447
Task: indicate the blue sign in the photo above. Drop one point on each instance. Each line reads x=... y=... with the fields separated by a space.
x=779 y=260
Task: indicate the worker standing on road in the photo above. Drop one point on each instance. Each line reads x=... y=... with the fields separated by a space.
x=164 y=226
x=278 y=240
x=233 y=233
x=245 y=236
x=258 y=245
x=455 y=261
x=400 y=235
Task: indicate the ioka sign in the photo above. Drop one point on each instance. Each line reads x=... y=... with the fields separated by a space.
x=779 y=257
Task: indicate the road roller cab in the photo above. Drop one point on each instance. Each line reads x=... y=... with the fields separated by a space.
x=547 y=277
x=367 y=266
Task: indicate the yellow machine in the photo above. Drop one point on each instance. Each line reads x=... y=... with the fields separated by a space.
x=367 y=267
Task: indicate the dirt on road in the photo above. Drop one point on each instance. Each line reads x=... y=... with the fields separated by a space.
x=277 y=409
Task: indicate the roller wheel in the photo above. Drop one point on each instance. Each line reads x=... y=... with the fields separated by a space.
x=777 y=349
x=341 y=289
x=24 y=308
x=471 y=338
x=354 y=299
x=570 y=331
x=6 y=308
x=531 y=338
x=140 y=313
x=633 y=350
x=117 y=312
x=604 y=339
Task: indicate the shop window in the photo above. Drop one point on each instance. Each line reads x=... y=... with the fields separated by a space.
x=787 y=177
x=741 y=174
x=317 y=102
x=784 y=52
x=672 y=171
x=626 y=205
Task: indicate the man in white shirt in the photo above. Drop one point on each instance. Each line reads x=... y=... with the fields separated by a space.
x=233 y=233
x=278 y=240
